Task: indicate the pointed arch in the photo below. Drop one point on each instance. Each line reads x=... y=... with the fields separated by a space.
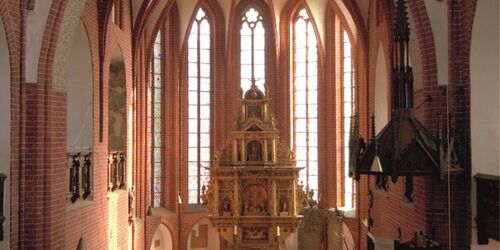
x=162 y=101
x=234 y=52
x=200 y=128
x=162 y=239
x=199 y=70
x=302 y=76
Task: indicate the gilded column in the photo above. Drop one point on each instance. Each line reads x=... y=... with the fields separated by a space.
x=235 y=150
x=243 y=153
x=265 y=151
x=235 y=195
x=274 y=149
x=216 y=195
x=294 y=200
x=274 y=201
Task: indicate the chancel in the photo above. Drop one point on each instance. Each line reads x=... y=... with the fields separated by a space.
x=250 y=124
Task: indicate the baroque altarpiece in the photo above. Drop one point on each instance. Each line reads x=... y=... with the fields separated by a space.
x=253 y=195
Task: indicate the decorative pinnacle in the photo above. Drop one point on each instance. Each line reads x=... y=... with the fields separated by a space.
x=401 y=25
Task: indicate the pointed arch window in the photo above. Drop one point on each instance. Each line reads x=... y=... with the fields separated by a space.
x=348 y=102
x=199 y=76
x=155 y=111
x=252 y=50
x=305 y=100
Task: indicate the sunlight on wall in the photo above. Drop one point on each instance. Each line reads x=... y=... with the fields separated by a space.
x=112 y=223
x=162 y=239
x=206 y=237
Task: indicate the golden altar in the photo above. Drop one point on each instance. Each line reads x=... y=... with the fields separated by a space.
x=253 y=194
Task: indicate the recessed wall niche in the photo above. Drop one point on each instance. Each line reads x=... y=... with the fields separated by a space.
x=79 y=124
x=117 y=119
x=5 y=100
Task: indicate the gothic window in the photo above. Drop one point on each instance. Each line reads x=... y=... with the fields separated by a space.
x=348 y=99
x=156 y=97
x=305 y=100
x=116 y=13
x=252 y=46
x=199 y=106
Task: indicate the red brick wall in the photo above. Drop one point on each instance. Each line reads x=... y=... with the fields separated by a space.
x=10 y=13
x=429 y=211
x=38 y=145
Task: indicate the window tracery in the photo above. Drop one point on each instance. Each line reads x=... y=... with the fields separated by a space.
x=348 y=97
x=156 y=100
x=252 y=50
x=199 y=77
x=305 y=100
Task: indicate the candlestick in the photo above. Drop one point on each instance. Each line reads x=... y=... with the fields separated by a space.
x=278 y=240
x=235 y=231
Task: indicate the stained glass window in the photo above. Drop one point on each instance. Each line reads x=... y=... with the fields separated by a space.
x=252 y=46
x=199 y=106
x=156 y=121
x=305 y=100
x=348 y=97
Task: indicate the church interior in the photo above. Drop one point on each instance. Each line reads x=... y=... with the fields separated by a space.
x=250 y=124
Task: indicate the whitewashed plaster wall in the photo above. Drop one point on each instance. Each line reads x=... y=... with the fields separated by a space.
x=364 y=6
x=35 y=27
x=79 y=87
x=186 y=11
x=438 y=17
x=5 y=131
x=485 y=82
x=71 y=18
x=318 y=10
x=213 y=236
x=381 y=90
x=162 y=234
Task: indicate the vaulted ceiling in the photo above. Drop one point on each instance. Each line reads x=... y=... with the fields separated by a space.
x=151 y=11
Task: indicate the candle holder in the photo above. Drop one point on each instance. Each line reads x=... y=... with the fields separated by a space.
x=278 y=246
x=235 y=242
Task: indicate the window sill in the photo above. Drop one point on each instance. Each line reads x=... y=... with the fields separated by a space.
x=78 y=204
x=116 y=194
x=348 y=212
x=160 y=212
x=196 y=208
